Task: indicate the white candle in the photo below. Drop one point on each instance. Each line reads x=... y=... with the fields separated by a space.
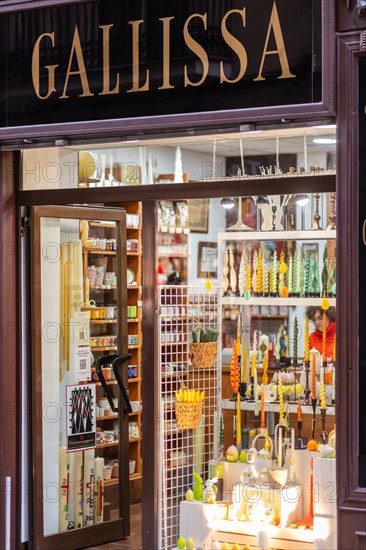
x=279 y=457
x=88 y=489
x=64 y=487
x=292 y=439
x=99 y=489
x=255 y=342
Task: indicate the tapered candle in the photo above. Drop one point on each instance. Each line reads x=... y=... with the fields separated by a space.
x=238 y=340
x=249 y=279
x=259 y=278
x=265 y=368
x=256 y=401
x=244 y=366
x=238 y=420
x=290 y=275
x=313 y=376
x=307 y=342
x=299 y=410
x=279 y=456
x=267 y=444
x=280 y=398
x=263 y=412
x=295 y=342
x=322 y=395
x=254 y=354
x=324 y=337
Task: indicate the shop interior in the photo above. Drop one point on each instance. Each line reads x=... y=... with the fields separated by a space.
x=246 y=293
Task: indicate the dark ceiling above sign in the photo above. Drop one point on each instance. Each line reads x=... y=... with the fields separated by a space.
x=111 y=59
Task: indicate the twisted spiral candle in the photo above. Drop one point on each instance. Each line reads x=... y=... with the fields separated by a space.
x=307 y=342
x=265 y=368
x=295 y=343
x=322 y=396
x=259 y=280
x=280 y=397
x=274 y=273
x=256 y=401
x=263 y=412
x=249 y=279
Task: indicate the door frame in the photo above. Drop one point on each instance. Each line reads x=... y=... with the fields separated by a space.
x=101 y=533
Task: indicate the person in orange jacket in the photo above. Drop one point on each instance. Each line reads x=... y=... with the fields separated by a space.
x=315 y=314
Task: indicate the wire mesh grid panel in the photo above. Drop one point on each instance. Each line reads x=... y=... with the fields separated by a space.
x=190 y=382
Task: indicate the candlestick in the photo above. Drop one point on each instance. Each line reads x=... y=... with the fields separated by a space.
x=256 y=402
x=307 y=341
x=324 y=337
x=280 y=398
x=263 y=412
x=313 y=376
x=299 y=410
x=265 y=369
x=238 y=421
x=324 y=434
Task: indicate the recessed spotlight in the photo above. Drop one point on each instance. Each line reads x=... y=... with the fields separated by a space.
x=132 y=141
x=325 y=141
x=326 y=126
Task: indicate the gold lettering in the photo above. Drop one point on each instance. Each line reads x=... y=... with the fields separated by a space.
x=236 y=46
x=136 y=61
x=77 y=50
x=197 y=49
x=106 y=64
x=275 y=25
x=166 y=53
x=50 y=68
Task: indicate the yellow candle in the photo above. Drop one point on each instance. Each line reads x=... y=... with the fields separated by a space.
x=307 y=342
x=267 y=444
x=265 y=368
x=280 y=398
x=263 y=412
x=254 y=360
x=86 y=292
x=324 y=337
x=238 y=420
x=335 y=347
x=245 y=366
x=322 y=395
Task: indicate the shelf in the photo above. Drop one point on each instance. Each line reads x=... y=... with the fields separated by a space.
x=103 y=287
x=103 y=321
x=132 y=227
x=134 y=439
x=109 y=482
x=98 y=251
x=134 y=413
x=278 y=235
x=133 y=320
x=135 y=476
x=106 y=225
x=105 y=445
x=133 y=287
x=107 y=417
x=108 y=382
x=253 y=316
x=137 y=379
x=111 y=348
x=134 y=346
x=133 y=253
x=275 y=407
x=177 y=255
x=236 y=301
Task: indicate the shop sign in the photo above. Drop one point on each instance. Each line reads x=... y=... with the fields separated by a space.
x=111 y=59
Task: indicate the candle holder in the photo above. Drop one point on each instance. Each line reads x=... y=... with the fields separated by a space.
x=243 y=389
x=316 y=218
x=307 y=387
x=300 y=444
x=332 y=215
x=324 y=434
x=262 y=435
x=252 y=388
x=238 y=446
x=313 y=402
x=221 y=451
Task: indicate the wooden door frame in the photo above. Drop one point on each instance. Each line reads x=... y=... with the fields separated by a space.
x=111 y=530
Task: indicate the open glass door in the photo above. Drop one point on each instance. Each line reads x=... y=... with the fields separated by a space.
x=80 y=405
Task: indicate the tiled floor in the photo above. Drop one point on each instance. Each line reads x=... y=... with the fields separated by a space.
x=134 y=541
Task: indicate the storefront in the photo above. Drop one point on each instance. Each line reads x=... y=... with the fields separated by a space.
x=114 y=107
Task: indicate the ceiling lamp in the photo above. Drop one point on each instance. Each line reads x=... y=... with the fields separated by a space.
x=325 y=141
x=228 y=203
x=302 y=200
x=262 y=202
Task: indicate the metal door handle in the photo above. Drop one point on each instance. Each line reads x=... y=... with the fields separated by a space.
x=116 y=364
x=98 y=368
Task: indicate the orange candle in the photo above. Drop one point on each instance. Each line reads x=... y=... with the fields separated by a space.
x=313 y=376
x=307 y=343
x=263 y=412
x=324 y=337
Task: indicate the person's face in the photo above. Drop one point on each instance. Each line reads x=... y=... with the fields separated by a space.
x=318 y=321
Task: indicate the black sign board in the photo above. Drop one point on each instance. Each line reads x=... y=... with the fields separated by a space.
x=362 y=269
x=110 y=59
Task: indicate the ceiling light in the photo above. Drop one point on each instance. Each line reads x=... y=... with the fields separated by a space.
x=132 y=141
x=325 y=141
x=326 y=126
x=228 y=203
x=262 y=202
x=302 y=200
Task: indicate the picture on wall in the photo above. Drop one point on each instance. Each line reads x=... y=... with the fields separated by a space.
x=198 y=215
x=207 y=260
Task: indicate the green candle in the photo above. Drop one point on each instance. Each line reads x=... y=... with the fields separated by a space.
x=295 y=341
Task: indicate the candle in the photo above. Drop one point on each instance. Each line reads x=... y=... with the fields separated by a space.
x=86 y=292
x=335 y=347
x=265 y=368
x=254 y=354
x=245 y=366
x=313 y=376
x=84 y=230
x=263 y=412
x=234 y=429
x=267 y=444
x=299 y=410
x=64 y=488
x=295 y=343
x=298 y=274
x=274 y=273
x=292 y=439
x=256 y=402
x=238 y=420
x=88 y=488
x=279 y=455
x=280 y=398
x=249 y=279
x=98 y=489
x=238 y=333
x=322 y=396
x=324 y=337
x=259 y=279
x=307 y=342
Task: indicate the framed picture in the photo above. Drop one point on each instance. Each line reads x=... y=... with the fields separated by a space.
x=198 y=215
x=207 y=260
